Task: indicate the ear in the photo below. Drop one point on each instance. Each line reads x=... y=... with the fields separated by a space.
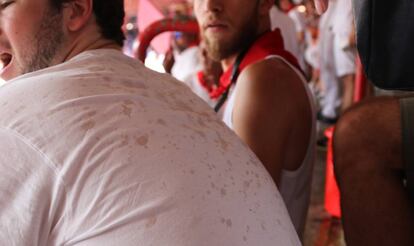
x=77 y=14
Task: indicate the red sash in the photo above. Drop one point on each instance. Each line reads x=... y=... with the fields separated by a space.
x=270 y=43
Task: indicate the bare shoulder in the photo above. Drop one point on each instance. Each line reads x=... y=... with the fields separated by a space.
x=273 y=80
x=273 y=114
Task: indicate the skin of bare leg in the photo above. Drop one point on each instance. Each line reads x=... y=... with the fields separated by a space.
x=348 y=84
x=376 y=209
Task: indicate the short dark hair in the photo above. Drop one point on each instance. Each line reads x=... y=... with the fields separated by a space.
x=277 y=4
x=109 y=17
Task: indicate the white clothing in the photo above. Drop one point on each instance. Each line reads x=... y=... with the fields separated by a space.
x=186 y=63
x=280 y=20
x=342 y=23
x=331 y=84
x=154 y=61
x=300 y=26
x=345 y=63
x=101 y=151
x=312 y=55
x=298 y=18
x=185 y=68
x=294 y=185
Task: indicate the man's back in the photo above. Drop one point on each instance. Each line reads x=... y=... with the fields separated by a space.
x=101 y=151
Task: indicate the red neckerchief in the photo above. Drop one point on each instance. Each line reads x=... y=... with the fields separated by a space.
x=205 y=85
x=270 y=43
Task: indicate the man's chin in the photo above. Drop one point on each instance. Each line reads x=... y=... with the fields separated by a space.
x=221 y=53
x=217 y=51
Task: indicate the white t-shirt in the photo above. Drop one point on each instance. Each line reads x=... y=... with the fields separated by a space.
x=185 y=68
x=186 y=63
x=102 y=151
x=331 y=88
x=299 y=19
x=342 y=22
x=294 y=185
x=300 y=25
x=280 y=20
x=326 y=38
x=342 y=25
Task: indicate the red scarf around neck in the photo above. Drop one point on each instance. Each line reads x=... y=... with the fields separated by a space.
x=269 y=43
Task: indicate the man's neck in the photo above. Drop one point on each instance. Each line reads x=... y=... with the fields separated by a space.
x=89 y=38
x=227 y=62
x=98 y=44
x=263 y=27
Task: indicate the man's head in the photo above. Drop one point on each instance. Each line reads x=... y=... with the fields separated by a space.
x=109 y=16
x=285 y=5
x=229 y=26
x=35 y=34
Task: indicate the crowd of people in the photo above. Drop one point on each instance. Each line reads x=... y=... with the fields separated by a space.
x=325 y=51
x=100 y=150
x=324 y=48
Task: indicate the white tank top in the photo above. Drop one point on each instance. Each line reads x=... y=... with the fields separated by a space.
x=295 y=186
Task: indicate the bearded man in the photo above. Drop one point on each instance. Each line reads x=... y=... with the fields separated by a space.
x=267 y=103
x=98 y=150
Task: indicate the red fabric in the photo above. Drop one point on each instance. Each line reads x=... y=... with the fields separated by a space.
x=203 y=82
x=270 y=43
x=160 y=26
x=332 y=193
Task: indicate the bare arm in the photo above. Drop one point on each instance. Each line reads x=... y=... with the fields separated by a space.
x=272 y=115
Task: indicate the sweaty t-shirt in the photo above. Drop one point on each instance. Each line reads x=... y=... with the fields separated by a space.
x=101 y=151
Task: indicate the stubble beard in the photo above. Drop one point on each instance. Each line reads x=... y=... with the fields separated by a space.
x=222 y=49
x=46 y=44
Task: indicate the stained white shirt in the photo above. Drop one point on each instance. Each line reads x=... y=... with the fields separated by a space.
x=102 y=151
